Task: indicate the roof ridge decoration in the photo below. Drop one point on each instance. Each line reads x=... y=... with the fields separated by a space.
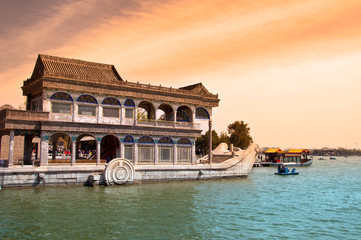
x=197 y=88
x=75 y=69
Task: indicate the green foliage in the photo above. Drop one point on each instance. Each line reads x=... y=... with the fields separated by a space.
x=202 y=143
x=142 y=114
x=224 y=138
x=239 y=134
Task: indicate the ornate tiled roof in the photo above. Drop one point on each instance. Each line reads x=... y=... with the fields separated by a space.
x=83 y=76
x=66 y=68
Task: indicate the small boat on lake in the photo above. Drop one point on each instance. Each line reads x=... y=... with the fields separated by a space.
x=283 y=170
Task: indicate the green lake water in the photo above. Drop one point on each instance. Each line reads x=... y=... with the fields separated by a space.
x=323 y=202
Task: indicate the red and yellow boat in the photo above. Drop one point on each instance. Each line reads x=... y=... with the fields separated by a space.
x=292 y=157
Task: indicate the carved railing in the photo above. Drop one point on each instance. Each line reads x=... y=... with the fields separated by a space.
x=172 y=124
x=23 y=115
x=167 y=89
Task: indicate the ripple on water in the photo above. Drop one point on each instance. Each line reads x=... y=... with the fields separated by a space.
x=321 y=203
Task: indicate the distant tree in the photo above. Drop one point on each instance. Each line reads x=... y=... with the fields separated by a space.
x=202 y=143
x=224 y=138
x=239 y=134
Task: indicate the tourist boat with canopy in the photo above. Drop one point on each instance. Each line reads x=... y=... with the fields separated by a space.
x=294 y=157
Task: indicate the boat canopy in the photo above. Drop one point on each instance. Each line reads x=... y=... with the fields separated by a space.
x=274 y=150
x=299 y=151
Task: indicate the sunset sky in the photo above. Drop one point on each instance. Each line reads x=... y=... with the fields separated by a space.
x=290 y=69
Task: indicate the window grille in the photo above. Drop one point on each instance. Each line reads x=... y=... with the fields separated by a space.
x=165 y=154
x=86 y=110
x=128 y=152
x=129 y=113
x=184 y=154
x=145 y=154
x=61 y=108
x=111 y=112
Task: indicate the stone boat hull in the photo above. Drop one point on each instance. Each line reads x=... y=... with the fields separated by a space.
x=121 y=171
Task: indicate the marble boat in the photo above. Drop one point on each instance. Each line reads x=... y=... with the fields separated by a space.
x=85 y=124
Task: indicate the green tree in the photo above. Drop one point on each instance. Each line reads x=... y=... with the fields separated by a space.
x=239 y=134
x=224 y=138
x=202 y=143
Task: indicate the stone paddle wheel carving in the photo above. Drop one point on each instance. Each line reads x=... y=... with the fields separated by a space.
x=119 y=171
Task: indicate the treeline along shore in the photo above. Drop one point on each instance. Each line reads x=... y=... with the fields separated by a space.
x=336 y=152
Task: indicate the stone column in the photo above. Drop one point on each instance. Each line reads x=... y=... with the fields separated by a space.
x=193 y=115
x=121 y=115
x=156 y=153
x=1 y=136
x=135 y=115
x=175 y=117
x=98 y=150
x=210 y=157
x=121 y=149
x=98 y=113
x=11 y=148
x=74 y=112
x=135 y=153
x=175 y=154
x=193 y=153
x=73 y=150
x=44 y=148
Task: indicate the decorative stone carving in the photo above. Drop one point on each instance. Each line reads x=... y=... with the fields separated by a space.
x=119 y=171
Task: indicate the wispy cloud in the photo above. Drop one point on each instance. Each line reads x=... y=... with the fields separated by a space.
x=282 y=51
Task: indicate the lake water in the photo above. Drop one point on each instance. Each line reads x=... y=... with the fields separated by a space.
x=323 y=202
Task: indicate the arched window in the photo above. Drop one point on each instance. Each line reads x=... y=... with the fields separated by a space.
x=165 y=113
x=165 y=150
x=184 y=114
x=184 y=150
x=145 y=150
x=145 y=140
x=112 y=107
x=129 y=108
x=87 y=99
x=111 y=101
x=145 y=111
x=87 y=105
x=61 y=103
x=62 y=96
x=202 y=113
x=128 y=148
x=128 y=139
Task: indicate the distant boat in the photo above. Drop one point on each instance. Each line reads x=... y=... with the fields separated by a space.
x=321 y=158
x=332 y=158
